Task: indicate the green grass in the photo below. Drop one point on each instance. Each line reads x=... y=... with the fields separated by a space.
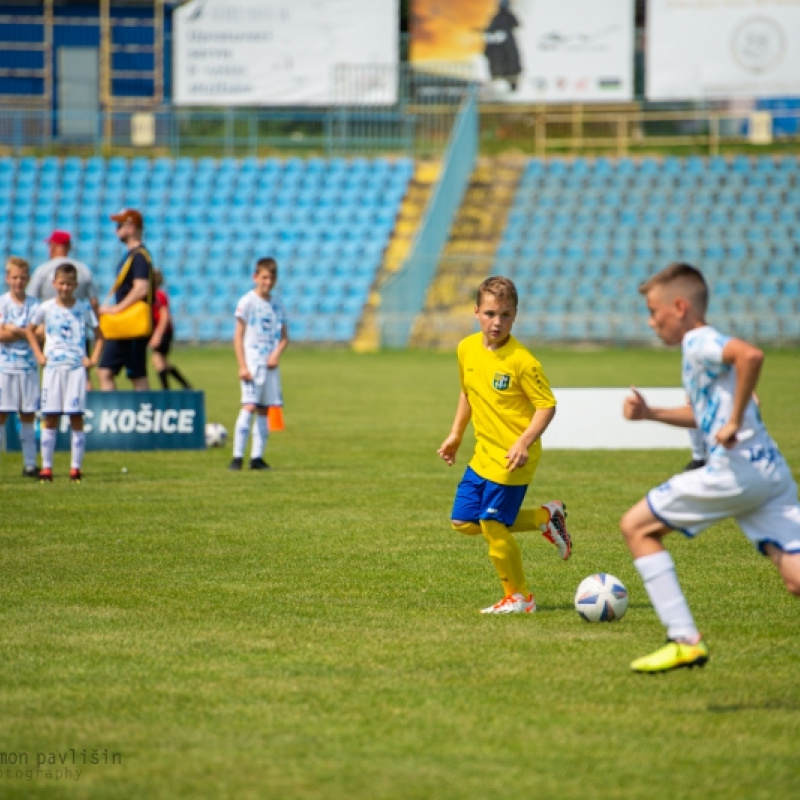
x=313 y=632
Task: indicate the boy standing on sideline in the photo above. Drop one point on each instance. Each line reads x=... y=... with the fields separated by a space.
x=508 y=398
x=745 y=476
x=65 y=362
x=59 y=244
x=19 y=372
x=161 y=340
x=259 y=340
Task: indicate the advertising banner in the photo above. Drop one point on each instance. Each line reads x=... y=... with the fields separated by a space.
x=591 y=419
x=171 y=420
x=524 y=51
x=280 y=52
x=719 y=49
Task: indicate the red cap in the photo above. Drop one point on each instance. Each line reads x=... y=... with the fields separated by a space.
x=129 y=214
x=59 y=237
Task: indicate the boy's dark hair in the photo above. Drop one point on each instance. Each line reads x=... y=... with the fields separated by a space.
x=500 y=288
x=269 y=264
x=691 y=279
x=67 y=269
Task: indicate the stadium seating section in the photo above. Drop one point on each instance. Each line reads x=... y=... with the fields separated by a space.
x=583 y=233
x=326 y=221
x=580 y=235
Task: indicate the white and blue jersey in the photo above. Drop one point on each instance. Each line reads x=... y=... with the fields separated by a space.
x=65 y=332
x=264 y=321
x=17 y=356
x=710 y=385
x=749 y=481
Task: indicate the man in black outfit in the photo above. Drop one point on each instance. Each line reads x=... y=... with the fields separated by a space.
x=137 y=285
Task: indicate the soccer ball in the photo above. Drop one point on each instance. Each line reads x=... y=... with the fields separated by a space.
x=216 y=435
x=601 y=598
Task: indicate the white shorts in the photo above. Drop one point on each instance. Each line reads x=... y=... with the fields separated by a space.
x=761 y=496
x=19 y=391
x=264 y=390
x=64 y=391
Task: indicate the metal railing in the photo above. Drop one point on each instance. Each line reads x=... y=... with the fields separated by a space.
x=403 y=295
x=411 y=126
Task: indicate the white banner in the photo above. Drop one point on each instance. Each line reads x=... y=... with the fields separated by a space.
x=280 y=52
x=717 y=49
x=591 y=419
x=530 y=50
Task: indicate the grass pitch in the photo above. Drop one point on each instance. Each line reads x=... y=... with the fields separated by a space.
x=180 y=631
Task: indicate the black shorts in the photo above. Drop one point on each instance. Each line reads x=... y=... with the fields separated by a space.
x=128 y=353
x=166 y=343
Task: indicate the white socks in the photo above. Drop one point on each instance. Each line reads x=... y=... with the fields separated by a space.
x=661 y=581
x=48 y=447
x=260 y=434
x=78 y=448
x=27 y=439
x=241 y=432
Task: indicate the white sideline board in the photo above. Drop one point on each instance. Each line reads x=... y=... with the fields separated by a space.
x=591 y=419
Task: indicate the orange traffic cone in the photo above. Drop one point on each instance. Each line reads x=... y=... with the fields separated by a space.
x=275 y=418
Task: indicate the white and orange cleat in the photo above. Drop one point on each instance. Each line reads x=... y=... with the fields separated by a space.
x=556 y=529
x=512 y=604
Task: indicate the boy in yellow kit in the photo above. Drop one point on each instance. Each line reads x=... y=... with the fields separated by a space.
x=507 y=396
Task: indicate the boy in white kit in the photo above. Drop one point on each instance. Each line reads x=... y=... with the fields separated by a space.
x=64 y=359
x=259 y=340
x=745 y=476
x=19 y=372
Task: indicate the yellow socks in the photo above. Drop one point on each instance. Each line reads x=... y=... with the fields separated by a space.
x=467 y=528
x=505 y=554
x=530 y=519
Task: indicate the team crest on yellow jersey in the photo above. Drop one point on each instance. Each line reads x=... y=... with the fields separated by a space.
x=501 y=381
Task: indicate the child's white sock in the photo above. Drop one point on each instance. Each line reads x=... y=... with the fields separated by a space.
x=48 y=447
x=78 y=448
x=27 y=438
x=241 y=432
x=260 y=434
x=661 y=581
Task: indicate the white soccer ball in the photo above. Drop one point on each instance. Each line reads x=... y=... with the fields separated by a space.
x=216 y=434
x=601 y=598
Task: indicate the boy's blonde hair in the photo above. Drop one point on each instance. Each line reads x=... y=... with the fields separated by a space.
x=269 y=264
x=19 y=262
x=686 y=278
x=500 y=288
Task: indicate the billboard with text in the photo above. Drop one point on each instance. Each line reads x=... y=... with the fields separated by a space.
x=528 y=51
x=128 y=420
x=700 y=50
x=280 y=52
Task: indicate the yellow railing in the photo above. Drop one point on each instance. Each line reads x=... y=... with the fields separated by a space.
x=621 y=130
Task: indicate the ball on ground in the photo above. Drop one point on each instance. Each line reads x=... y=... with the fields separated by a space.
x=601 y=598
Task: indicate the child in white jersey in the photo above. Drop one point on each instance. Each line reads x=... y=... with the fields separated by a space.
x=259 y=340
x=19 y=372
x=745 y=476
x=65 y=362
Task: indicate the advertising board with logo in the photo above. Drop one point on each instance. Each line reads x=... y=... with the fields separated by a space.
x=281 y=52
x=133 y=421
x=523 y=51
x=697 y=50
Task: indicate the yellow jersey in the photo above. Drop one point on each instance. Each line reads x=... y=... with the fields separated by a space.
x=504 y=388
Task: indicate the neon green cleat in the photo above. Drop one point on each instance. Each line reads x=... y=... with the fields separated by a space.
x=673 y=655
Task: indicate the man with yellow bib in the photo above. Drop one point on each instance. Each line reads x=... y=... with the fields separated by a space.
x=505 y=393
